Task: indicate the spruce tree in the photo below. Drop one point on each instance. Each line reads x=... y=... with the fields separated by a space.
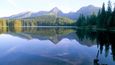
x=108 y=15
x=109 y=9
x=102 y=17
x=112 y=23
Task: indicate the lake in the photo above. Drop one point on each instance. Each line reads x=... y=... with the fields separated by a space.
x=56 y=46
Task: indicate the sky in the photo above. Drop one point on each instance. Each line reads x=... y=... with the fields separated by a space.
x=10 y=7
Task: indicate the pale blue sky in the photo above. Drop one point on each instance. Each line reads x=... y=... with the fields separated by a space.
x=9 y=7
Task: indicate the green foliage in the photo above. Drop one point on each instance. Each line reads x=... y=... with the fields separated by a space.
x=86 y=21
x=49 y=20
x=81 y=20
x=109 y=7
x=104 y=19
x=46 y=20
x=112 y=22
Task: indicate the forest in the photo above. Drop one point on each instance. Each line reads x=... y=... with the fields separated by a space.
x=105 y=18
x=48 y=20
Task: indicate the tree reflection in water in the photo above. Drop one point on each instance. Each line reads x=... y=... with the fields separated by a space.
x=105 y=41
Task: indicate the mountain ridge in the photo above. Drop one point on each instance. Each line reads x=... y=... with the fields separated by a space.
x=87 y=10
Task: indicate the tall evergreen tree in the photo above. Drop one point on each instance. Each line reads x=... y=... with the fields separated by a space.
x=109 y=7
x=108 y=15
x=112 y=23
x=102 y=17
x=81 y=20
x=103 y=9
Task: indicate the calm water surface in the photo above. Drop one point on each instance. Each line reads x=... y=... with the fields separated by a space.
x=56 y=46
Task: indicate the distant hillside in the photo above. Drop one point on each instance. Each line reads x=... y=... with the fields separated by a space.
x=49 y=20
x=87 y=10
x=55 y=11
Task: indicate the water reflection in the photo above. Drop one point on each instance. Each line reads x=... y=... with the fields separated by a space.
x=56 y=46
x=29 y=33
x=104 y=39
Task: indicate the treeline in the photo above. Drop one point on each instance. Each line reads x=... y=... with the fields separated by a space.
x=104 y=19
x=47 y=20
x=50 y=20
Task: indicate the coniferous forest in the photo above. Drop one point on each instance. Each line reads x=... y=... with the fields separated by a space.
x=105 y=18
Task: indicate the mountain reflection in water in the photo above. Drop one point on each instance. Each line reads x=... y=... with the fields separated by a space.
x=56 y=46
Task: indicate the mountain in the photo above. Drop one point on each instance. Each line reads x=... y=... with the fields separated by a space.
x=21 y=15
x=87 y=10
x=40 y=13
x=55 y=11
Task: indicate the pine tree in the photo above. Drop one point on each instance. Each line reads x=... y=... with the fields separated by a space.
x=81 y=20
x=108 y=15
x=112 y=23
x=102 y=17
x=109 y=9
